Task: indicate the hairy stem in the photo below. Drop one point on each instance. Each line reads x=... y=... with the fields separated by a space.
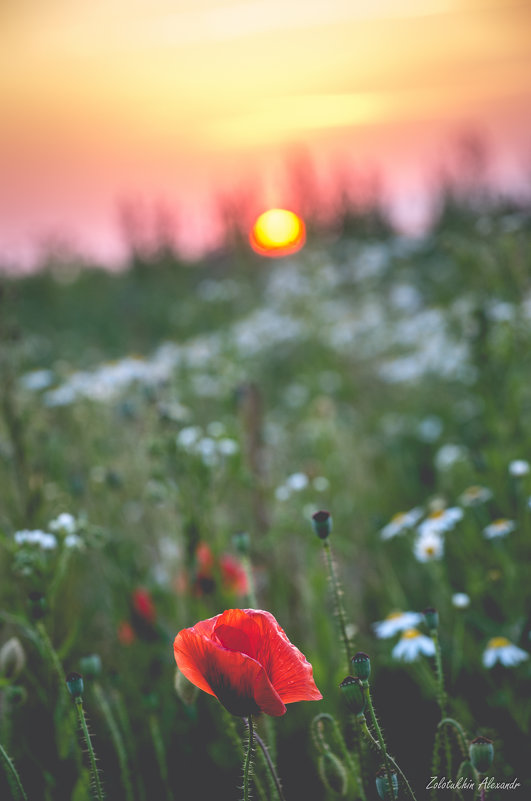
x=117 y=740
x=248 y=759
x=15 y=785
x=390 y=759
x=94 y=773
x=338 y=604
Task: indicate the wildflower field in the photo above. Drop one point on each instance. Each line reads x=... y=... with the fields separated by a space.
x=167 y=436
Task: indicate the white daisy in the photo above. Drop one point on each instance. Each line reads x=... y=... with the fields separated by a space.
x=411 y=644
x=74 y=541
x=429 y=547
x=519 y=468
x=297 y=481
x=500 y=649
x=475 y=495
x=499 y=528
x=395 y=622
x=65 y=523
x=460 y=600
x=440 y=520
x=37 y=537
x=400 y=523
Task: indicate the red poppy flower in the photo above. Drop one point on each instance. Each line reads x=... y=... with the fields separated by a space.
x=234 y=576
x=143 y=605
x=245 y=659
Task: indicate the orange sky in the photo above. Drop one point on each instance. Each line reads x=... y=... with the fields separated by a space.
x=174 y=100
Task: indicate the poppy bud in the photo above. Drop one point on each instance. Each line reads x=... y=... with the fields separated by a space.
x=74 y=682
x=12 y=658
x=184 y=688
x=333 y=774
x=37 y=605
x=91 y=665
x=353 y=694
x=382 y=785
x=322 y=524
x=241 y=542
x=361 y=665
x=431 y=616
x=481 y=753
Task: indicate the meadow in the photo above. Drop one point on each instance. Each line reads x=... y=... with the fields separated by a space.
x=167 y=434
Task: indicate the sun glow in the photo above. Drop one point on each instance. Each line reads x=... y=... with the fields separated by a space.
x=277 y=232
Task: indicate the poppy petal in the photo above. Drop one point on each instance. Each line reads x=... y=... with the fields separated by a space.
x=288 y=670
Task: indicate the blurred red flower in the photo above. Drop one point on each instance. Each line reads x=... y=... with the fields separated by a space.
x=126 y=633
x=233 y=575
x=245 y=659
x=143 y=605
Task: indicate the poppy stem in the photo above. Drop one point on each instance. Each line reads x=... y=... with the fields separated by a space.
x=248 y=759
x=338 y=592
x=270 y=764
x=15 y=785
x=94 y=773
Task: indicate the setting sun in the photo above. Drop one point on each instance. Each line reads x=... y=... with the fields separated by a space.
x=277 y=232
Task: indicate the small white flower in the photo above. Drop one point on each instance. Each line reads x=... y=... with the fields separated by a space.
x=440 y=520
x=43 y=539
x=73 y=541
x=499 y=528
x=282 y=493
x=216 y=429
x=411 y=644
x=37 y=379
x=500 y=649
x=189 y=436
x=519 y=468
x=400 y=523
x=460 y=600
x=475 y=495
x=448 y=455
x=65 y=523
x=297 y=481
x=227 y=446
x=395 y=622
x=429 y=547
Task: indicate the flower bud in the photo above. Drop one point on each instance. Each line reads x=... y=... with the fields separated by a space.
x=353 y=694
x=37 y=605
x=241 y=542
x=322 y=524
x=333 y=773
x=91 y=665
x=12 y=659
x=382 y=785
x=431 y=617
x=361 y=665
x=74 y=682
x=481 y=753
x=184 y=688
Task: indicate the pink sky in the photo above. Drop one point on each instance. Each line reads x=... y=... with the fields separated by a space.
x=176 y=102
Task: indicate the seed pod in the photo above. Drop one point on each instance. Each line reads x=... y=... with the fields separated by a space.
x=361 y=665
x=481 y=753
x=74 y=682
x=382 y=785
x=353 y=694
x=322 y=524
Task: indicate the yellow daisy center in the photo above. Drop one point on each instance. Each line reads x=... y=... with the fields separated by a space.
x=398 y=518
x=394 y=615
x=500 y=523
x=411 y=634
x=498 y=642
x=435 y=515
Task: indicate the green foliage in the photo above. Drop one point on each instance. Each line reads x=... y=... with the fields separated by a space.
x=366 y=377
